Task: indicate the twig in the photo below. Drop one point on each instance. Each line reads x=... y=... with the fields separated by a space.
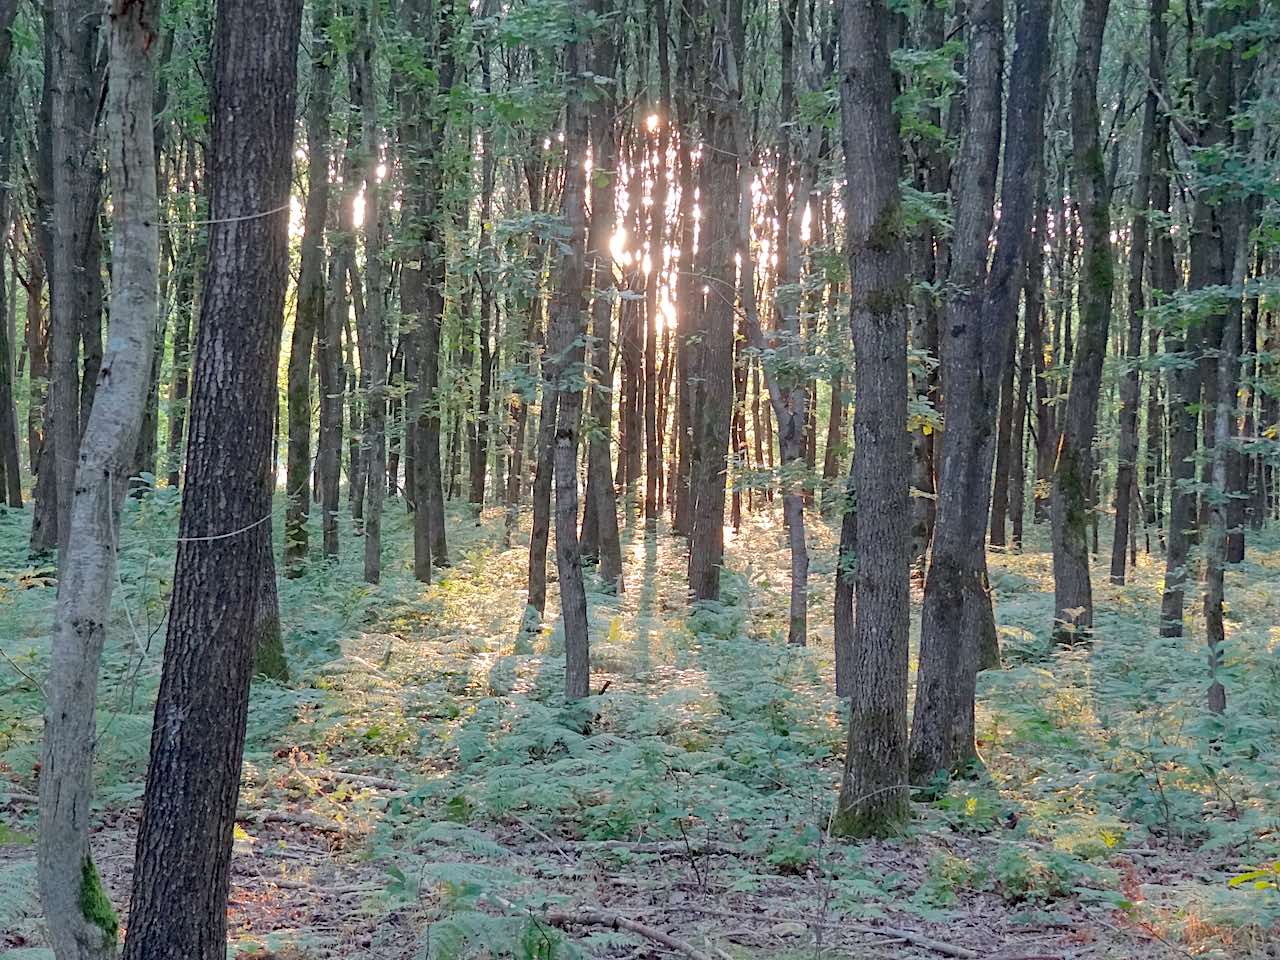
x=595 y=917
x=16 y=796
x=13 y=663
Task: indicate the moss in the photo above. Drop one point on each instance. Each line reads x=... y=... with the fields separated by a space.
x=883 y=302
x=879 y=821
x=269 y=658
x=886 y=232
x=95 y=904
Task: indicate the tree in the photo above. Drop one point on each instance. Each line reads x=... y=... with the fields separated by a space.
x=373 y=331
x=1130 y=386
x=566 y=344
x=711 y=370
x=309 y=316
x=957 y=632
x=1073 y=592
x=81 y=921
x=181 y=874
x=75 y=293
x=10 y=476
x=873 y=789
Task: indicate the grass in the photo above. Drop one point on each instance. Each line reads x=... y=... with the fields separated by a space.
x=1112 y=817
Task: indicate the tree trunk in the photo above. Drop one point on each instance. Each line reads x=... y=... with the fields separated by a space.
x=873 y=790
x=10 y=476
x=75 y=281
x=332 y=377
x=957 y=633
x=1073 y=592
x=182 y=871
x=44 y=517
x=1130 y=387
x=81 y=921
x=309 y=315
x=711 y=403
x=374 y=360
x=1215 y=548
x=566 y=342
x=1004 y=453
x=604 y=514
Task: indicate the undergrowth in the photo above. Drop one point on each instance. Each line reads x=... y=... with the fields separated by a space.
x=709 y=755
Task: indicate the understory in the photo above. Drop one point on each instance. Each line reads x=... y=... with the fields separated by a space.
x=419 y=788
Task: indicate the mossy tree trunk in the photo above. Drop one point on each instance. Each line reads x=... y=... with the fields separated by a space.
x=1073 y=591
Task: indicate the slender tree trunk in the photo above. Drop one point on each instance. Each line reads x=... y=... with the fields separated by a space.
x=44 y=517
x=711 y=406
x=10 y=476
x=1215 y=550
x=1130 y=387
x=1018 y=440
x=332 y=377
x=75 y=281
x=374 y=361
x=605 y=153
x=182 y=870
x=566 y=341
x=873 y=790
x=1073 y=592
x=309 y=317
x=81 y=921
x=1004 y=452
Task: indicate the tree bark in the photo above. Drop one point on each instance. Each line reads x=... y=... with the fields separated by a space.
x=1130 y=386
x=75 y=279
x=873 y=790
x=10 y=475
x=711 y=403
x=182 y=870
x=1073 y=592
x=566 y=343
x=373 y=330
x=604 y=514
x=81 y=921
x=957 y=633
x=309 y=314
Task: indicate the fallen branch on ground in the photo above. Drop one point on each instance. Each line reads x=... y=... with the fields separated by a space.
x=359 y=779
x=594 y=917
x=910 y=936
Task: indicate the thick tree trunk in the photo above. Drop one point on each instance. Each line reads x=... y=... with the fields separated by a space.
x=873 y=789
x=81 y=921
x=1073 y=591
x=182 y=871
x=309 y=316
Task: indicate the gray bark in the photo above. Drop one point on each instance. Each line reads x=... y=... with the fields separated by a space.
x=80 y=925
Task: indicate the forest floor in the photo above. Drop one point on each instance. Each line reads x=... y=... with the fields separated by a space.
x=419 y=788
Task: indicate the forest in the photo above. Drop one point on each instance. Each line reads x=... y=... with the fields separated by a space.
x=707 y=479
